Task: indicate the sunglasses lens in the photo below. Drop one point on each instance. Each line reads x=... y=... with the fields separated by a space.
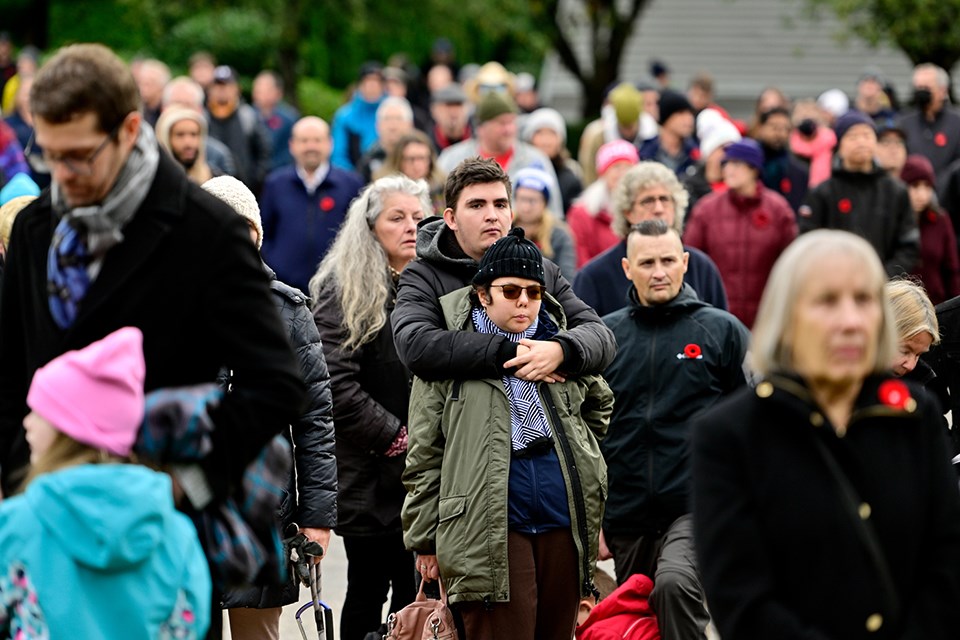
x=511 y=291
x=534 y=292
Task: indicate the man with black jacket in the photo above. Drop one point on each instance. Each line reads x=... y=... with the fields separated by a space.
x=676 y=357
x=449 y=250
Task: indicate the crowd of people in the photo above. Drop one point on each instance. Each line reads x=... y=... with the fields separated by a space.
x=718 y=352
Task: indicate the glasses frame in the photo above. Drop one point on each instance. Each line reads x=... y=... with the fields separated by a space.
x=650 y=202
x=81 y=167
x=530 y=289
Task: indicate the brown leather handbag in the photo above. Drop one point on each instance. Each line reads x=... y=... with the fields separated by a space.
x=423 y=619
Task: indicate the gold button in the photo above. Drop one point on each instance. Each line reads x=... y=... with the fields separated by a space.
x=874 y=622
x=864 y=511
x=910 y=405
x=816 y=419
x=764 y=389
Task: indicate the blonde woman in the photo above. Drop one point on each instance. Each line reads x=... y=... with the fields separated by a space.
x=917 y=328
x=824 y=502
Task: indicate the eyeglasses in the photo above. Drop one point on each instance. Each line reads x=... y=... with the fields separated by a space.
x=79 y=166
x=651 y=201
x=512 y=291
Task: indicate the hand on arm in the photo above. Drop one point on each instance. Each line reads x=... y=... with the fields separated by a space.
x=537 y=361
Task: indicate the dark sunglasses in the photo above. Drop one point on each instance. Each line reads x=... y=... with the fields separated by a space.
x=512 y=291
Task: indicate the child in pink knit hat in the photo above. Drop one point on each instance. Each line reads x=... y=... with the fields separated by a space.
x=91 y=530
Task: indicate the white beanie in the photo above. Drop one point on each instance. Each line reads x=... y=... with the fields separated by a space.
x=834 y=101
x=544 y=118
x=722 y=133
x=240 y=199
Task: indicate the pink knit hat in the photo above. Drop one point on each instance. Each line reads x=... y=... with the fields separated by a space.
x=613 y=152
x=95 y=395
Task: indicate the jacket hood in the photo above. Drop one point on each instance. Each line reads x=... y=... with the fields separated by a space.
x=685 y=302
x=435 y=241
x=105 y=516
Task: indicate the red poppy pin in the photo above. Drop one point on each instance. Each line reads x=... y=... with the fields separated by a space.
x=894 y=394
x=845 y=206
x=691 y=352
x=695 y=154
x=932 y=216
x=327 y=203
x=761 y=219
x=940 y=139
x=786 y=186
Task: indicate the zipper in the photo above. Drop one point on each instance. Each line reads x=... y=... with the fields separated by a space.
x=575 y=486
x=650 y=401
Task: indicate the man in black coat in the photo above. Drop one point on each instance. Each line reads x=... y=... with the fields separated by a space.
x=449 y=251
x=122 y=238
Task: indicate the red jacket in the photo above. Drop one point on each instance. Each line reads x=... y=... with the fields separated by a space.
x=939 y=267
x=592 y=233
x=625 y=614
x=744 y=237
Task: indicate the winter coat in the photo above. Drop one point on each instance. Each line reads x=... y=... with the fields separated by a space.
x=458 y=466
x=434 y=353
x=371 y=393
x=674 y=361
x=785 y=174
x=354 y=130
x=938 y=141
x=311 y=496
x=683 y=165
x=602 y=285
x=298 y=226
x=944 y=358
x=769 y=516
x=186 y=275
x=626 y=614
x=872 y=205
x=744 y=237
x=939 y=265
x=98 y=551
x=249 y=143
x=591 y=224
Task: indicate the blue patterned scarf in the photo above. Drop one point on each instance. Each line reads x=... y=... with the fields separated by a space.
x=528 y=421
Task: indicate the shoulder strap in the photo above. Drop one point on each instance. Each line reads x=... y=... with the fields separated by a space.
x=865 y=531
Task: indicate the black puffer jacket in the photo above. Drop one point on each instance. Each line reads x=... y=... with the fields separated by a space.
x=311 y=499
x=433 y=353
x=371 y=391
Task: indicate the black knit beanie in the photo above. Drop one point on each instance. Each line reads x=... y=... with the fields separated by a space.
x=511 y=255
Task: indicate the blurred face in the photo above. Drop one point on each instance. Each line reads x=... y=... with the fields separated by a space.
x=614 y=174
x=370 y=87
x=680 y=124
x=775 y=132
x=739 y=176
x=310 y=144
x=921 y=194
x=266 y=93
x=836 y=323
x=891 y=152
x=653 y=202
x=185 y=142
x=201 y=72
x=224 y=93
x=699 y=98
x=438 y=77
x=528 y=205
x=655 y=265
x=869 y=90
x=396 y=228
x=769 y=99
x=927 y=79
x=392 y=125
x=514 y=316
x=482 y=216
x=40 y=435
x=451 y=118
x=150 y=82
x=910 y=351
x=858 y=146
x=548 y=141
x=85 y=161
x=499 y=134
x=415 y=161
x=396 y=88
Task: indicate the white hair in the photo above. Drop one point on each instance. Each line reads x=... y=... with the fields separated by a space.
x=395 y=102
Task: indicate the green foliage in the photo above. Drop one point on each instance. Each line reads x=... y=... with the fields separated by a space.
x=116 y=26
x=318 y=99
x=242 y=38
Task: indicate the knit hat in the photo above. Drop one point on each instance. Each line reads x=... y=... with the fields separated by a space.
x=494 y=104
x=19 y=185
x=95 y=395
x=714 y=131
x=627 y=102
x=616 y=151
x=672 y=103
x=533 y=178
x=544 y=118
x=834 y=101
x=746 y=151
x=851 y=119
x=238 y=196
x=916 y=169
x=511 y=255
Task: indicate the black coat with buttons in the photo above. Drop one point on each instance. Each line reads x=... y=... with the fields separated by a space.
x=779 y=552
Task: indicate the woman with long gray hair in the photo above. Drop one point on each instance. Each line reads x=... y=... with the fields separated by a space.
x=354 y=291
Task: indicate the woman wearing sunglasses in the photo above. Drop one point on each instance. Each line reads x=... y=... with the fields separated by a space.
x=505 y=491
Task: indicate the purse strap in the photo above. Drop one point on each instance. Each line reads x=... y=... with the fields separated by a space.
x=422 y=597
x=864 y=528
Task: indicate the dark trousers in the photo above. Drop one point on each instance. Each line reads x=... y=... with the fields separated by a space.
x=669 y=559
x=544 y=592
x=374 y=565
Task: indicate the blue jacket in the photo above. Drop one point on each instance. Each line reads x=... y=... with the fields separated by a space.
x=354 y=131
x=299 y=227
x=602 y=285
x=684 y=166
x=98 y=551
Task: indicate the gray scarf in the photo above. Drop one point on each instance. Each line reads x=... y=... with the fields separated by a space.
x=102 y=223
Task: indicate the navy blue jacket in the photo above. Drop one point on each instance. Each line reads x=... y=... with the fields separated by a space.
x=298 y=227
x=602 y=285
